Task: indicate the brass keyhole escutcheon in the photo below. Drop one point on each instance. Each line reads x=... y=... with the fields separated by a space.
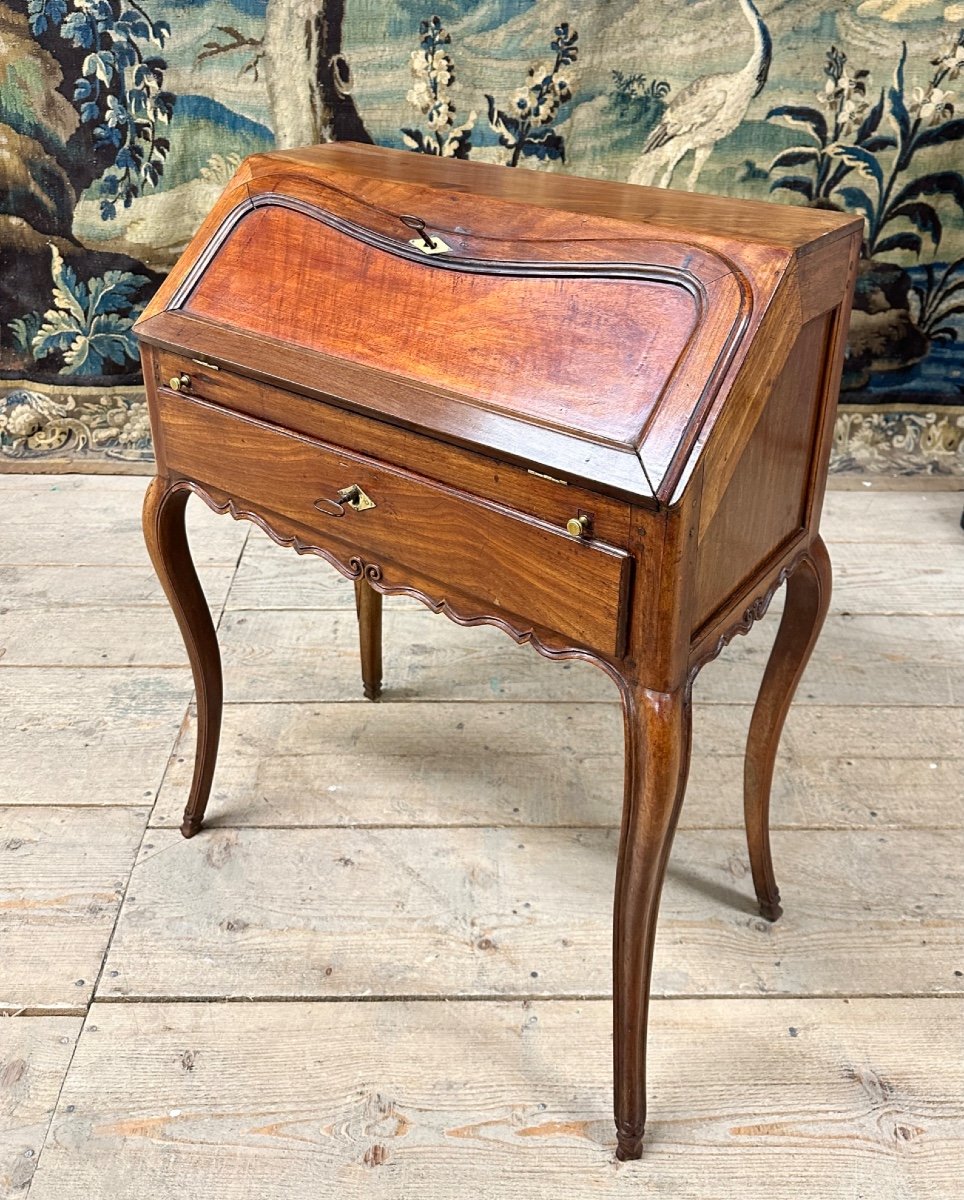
x=179 y=383
x=580 y=527
x=355 y=497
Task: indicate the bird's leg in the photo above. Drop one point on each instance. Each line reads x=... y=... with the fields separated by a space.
x=644 y=171
x=701 y=154
x=678 y=154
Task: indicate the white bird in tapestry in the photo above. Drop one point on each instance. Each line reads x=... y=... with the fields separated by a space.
x=706 y=111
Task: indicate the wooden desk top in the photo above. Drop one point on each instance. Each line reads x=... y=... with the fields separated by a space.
x=688 y=213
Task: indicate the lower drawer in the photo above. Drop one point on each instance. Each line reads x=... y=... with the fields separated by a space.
x=508 y=561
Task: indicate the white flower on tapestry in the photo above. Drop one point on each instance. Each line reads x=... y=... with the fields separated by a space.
x=524 y=126
x=219 y=168
x=128 y=426
x=932 y=105
x=434 y=73
x=844 y=94
x=950 y=62
x=19 y=421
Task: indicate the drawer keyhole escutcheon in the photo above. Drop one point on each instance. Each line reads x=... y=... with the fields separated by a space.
x=179 y=383
x=355 y=497
x=580 y=527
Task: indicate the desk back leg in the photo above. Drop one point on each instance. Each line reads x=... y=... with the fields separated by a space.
x=657 y=732
x=368 y=605
x=168 y=547
x=808 y=597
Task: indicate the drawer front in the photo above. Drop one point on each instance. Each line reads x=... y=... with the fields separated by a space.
x=515 y=563
x=530 y=492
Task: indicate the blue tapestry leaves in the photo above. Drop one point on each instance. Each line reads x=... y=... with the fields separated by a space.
x=120 y=91
x=89 y=324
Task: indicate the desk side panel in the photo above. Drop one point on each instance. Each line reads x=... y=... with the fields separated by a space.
x=765 y=504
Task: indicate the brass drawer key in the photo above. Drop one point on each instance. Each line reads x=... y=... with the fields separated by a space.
x=355 y=497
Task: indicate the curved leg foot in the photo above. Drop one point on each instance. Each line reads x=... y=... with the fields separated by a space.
x=191 y=825
x=167 y=545
x=808 y=597
x=368 y=606
x=657 y=730
x=629 y=1145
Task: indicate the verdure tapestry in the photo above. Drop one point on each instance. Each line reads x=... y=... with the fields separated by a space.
x=121 y=120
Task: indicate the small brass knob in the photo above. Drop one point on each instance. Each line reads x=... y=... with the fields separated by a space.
x=579 y=526
x=179 y=383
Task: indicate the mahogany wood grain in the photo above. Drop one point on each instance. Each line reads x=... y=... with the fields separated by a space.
x=368 y=606
x=406 y=404
x=691 y=213
x=526 y=490
x=396 y=580
x=832 y=367
x=764 y=503
x=732 y=304
x=167 y=545
x=657 y=731
x=808 y=598
x=538 y=358
x=506 y=560
x=659 y=368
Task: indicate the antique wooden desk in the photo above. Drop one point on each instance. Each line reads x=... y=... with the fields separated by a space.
x=596 y=416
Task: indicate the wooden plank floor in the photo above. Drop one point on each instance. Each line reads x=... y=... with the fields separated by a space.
x=384 y=970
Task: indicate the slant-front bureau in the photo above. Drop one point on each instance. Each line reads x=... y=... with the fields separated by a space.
x=596 y=416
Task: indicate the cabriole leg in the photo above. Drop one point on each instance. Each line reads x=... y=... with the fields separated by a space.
x=368 y=605
x=808 y=597
x=167 y=545
x=657 y=732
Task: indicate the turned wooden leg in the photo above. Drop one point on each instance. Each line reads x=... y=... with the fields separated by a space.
x=167 y=544
x=368 y=606
x=808 y=596
x=657 y=731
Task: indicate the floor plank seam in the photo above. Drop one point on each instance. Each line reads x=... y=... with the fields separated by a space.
x=120 y=905
x=60 y=1091
x=389 y=698
x=234 y=576
x=684 y=827
x=522 y=997
x=137 y=853
x=697 y=702
x=40 y=1010
x=169 y=761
